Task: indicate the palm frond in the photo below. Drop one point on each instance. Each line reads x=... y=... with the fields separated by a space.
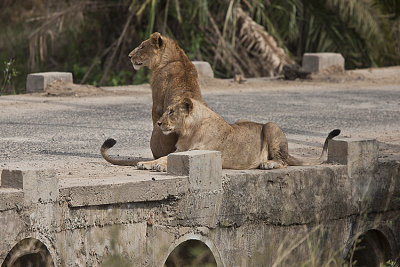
x=259 y=43
x=361 y=14
x=53 y=25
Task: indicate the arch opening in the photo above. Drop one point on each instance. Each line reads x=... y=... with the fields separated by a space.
x=28 y=252
x=191 y=252
x=370 y=249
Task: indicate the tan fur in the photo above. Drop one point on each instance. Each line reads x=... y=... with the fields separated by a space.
x=243 y=145
x=173 y=78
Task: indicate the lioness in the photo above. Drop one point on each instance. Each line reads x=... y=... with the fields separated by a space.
x=173 y=77
x=243 y=145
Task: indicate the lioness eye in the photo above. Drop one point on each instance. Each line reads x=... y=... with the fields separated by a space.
x=171 y=112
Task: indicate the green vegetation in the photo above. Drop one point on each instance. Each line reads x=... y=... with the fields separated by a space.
x=92 y=38
x=191 y=253
x=9 y=74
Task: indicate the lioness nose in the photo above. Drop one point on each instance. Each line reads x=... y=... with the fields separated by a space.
x=159 y=123
x=130 y=56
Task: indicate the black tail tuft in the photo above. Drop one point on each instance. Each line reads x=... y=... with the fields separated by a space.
x=333 y=133
x=109 y=143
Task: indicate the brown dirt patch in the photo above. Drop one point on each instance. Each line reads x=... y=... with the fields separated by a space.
x=61 y=88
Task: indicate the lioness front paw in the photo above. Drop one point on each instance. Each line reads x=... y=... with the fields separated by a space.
x=267 y=165
x=272 y=164
x=144 y=166
x=159 y=167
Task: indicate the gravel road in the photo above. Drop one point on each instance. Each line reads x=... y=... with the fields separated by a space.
x=62 y=132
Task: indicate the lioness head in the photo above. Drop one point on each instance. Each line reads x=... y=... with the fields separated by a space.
x=173 y=119
x=142 y=56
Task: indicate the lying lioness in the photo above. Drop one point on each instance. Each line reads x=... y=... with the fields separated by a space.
x=243 y=145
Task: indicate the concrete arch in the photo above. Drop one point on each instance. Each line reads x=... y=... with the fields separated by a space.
x=29 y=251
x=197 y=237
x=371 y=248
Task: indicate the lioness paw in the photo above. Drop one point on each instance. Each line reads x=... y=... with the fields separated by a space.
x=159 y=167
x=270 y=164
x=144 y=166
x=267 y=165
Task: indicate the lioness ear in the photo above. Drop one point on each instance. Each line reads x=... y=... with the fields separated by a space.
x=156 y=39
x=187 y=105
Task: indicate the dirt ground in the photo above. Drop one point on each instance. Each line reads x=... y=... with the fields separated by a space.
x=357 y=78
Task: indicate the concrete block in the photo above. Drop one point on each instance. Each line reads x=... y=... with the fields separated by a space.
x=354 y=152
x=315 y=62
x=204 y=68
x=37 y=82
x=204 y=168
x=40 y=186
x=10 y=198
x=11 y=179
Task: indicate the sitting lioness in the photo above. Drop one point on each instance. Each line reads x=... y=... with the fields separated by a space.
x=173 y=77
x=243 y=145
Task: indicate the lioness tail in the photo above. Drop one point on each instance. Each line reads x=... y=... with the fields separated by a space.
x=109 y=143
x=292 y=161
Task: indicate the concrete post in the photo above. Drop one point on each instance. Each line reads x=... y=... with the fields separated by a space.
x=357 y=154
x=37 y=82
x=361 y=158
x=204 y=168
x=315 y=62
x=204 y=69
x=11 y=179
x=38 y=186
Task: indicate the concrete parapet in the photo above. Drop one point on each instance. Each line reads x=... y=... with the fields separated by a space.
x=38 y=186
x=358 y=154
x=290 y=196
x=204 y=68
x=315 y=62
x=124 y=191
x=37 y=82
x=256 y=212
x=204 y=168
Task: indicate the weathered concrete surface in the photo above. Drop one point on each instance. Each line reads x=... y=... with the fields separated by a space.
x=10 y=198
x=37 y=82
x=257 y=218
x=125 y=190
x=316 y=62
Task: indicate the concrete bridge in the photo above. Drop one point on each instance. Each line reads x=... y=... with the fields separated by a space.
x=283 y=217
x=62 y=205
